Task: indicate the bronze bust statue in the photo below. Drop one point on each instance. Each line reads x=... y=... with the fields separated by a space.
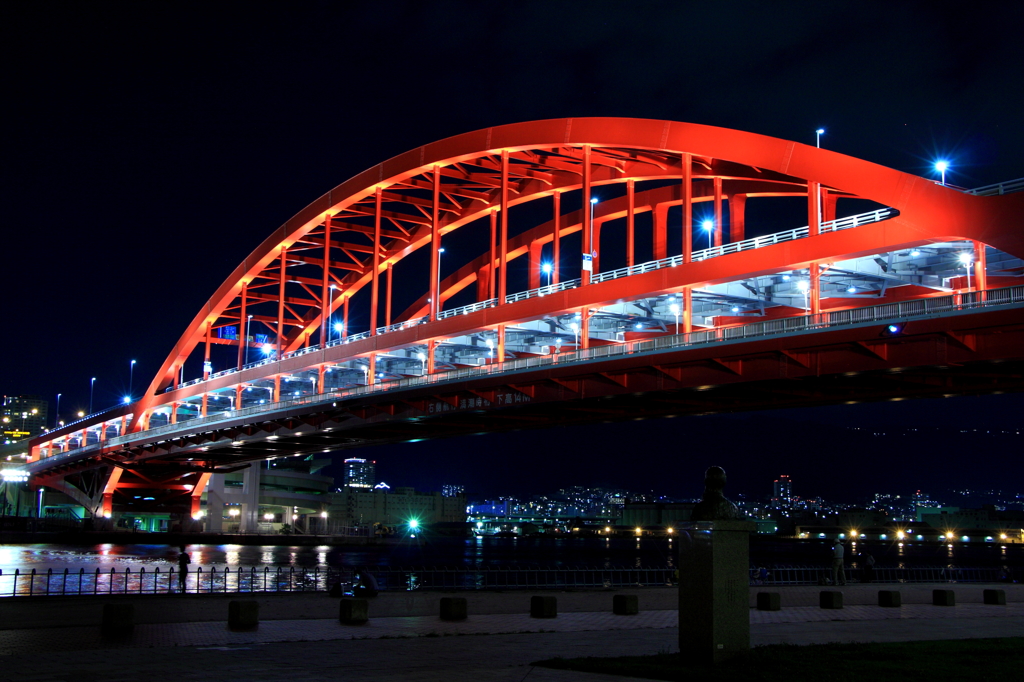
x=713 y=505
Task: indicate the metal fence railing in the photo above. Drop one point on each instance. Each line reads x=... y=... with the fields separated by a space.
x=229 y=580
x=817 y=575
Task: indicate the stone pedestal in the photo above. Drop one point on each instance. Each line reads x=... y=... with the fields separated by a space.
x=243 y=614
x=714 y=590
x=994 y=597
x=453 y=608
x=625 y=605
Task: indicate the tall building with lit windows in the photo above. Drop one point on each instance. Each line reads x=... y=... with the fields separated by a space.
x=783 y=490
x=22 y=416
x=359 y=473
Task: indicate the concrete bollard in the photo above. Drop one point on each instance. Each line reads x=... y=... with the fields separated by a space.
x=625 y=604
x=243 y=614
x=354 y=611
x=453 y=608
x=118 y=619
x=890 y=598
x=543 y=607
x=769 y=601
x=994 y=597
x=943 y=598
x=830 y=599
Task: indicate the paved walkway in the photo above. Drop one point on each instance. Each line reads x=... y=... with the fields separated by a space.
x=422 y=647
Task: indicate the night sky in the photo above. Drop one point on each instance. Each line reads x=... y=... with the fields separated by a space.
x=149 y=147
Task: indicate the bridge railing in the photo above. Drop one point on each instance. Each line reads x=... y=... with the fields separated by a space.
x=267 y=579
x=887 y=312
x=749 y=244
x=998 y=188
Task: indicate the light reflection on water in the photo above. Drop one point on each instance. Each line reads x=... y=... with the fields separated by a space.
x=482 y=552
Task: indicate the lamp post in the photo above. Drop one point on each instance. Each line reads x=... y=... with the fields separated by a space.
x=941 y=166
x=423 y=362
x=590 y=238
x=56 y=417
x=675 y=311
x=131 y=379
x=803 y=285
x=968 y=261
x=575 y=327
x=818 y=133
x=546 y=269
x=339 y=327
x=92 y=384
x=709 y=226
x=490 y=348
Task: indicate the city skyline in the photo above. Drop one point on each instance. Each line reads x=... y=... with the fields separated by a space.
x=176 y=161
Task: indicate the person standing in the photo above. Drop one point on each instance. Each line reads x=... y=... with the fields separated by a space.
x=838 y=571
x=183 y=561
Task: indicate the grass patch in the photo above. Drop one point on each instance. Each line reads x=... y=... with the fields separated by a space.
x=978 y=660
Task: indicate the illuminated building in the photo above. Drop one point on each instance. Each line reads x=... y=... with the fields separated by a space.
x=783 y=490
x=359 y=473
x=23 y=416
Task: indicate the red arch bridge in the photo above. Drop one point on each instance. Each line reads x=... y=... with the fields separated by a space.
x=568 y=271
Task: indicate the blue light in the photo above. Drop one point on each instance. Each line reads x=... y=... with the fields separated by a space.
x=545 y=268
x=893 y=328
x=820 y=131
x=593 y=200
x=708 y=225
x=338 y=326
x=267 y=349
x=126 y=400
x=941 y=166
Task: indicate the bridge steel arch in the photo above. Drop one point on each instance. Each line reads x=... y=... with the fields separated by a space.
x=349 y=241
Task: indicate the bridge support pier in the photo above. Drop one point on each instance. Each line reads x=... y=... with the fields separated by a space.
x=250 y=518
x=215 y=504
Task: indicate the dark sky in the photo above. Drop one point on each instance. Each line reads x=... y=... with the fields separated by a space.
x=149 y=147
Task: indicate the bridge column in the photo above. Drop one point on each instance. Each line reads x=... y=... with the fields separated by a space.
x=503 y=247
x=585 y=329
x=174 y=412
x=536 y=250
x=277 y=389
x=556 y=237
x=492 y=279
x=387 y=300
x=718 y=211
x=813 y=208
x=597 y=246
x=660 y=234
x=243 y=332
x=326 y=293
x=202 y=411
x=687 y=309
x=828 y=205
x=215 y=504
x=687 y=193
x=630 y=222
x=103 y=432
x=238 y=397
x=483 y=284
x=815 y=289
x=588 y=246
x=501 y=343
x=737 y=217
x=980 y=267
x=371 y=371
x=431 y=347
x=249 y=520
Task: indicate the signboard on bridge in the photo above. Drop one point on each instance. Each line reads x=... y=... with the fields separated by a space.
x=588 y=262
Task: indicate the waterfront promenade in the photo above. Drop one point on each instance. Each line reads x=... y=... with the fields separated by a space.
x=186 y=637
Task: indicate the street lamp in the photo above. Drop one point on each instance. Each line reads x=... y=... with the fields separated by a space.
x=593 y=202
x=56 y=417
x=941 y=166
x=91 y=385
x=968 y=260
x=546 y=269
x=423 y=361
x=675 y=311
x=490 y=348
x=709 y=226
x=131 y=379
x=819 y=132
x=575 y=335
x=804 y=286
x=339 y=327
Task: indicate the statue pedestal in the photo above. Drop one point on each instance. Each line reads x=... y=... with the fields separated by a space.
x=714 y=590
